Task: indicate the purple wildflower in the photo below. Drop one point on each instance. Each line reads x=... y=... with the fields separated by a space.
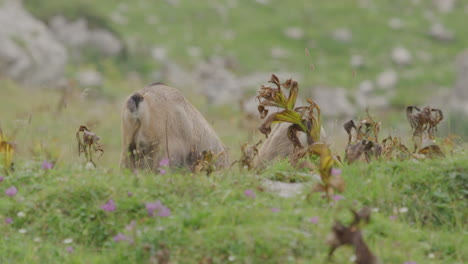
x=70 y=249
x=164 y=162
x=411 y=262
x=47 y=165
x=129 y=194
x=314 y=220
x=109 y=206
x=120 y=237
x=393 y=217
x=1 y=178
x=162 y=171
x=275 y=210
x=11 y=191
x=164 y=212
x=249 y=193
x=8 y=220
x=337 y=197
x=335 y=171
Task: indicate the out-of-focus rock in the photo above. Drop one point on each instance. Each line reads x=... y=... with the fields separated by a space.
x=387 y=79
x=78 y=36
x=365 y=96
x=89 y=78
x=159 y=53
x=441 y=33
x=357 y=61
x=445 y=6
x=342 y=35
x=294 y=33
x=28 y=51
x=279 y=52
x=461 y=83
x=217 y=83
x=333 y=101
x=401 y=56
x=396 y=23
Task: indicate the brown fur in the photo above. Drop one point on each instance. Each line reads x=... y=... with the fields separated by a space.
x=158 y=122
x=278 y=146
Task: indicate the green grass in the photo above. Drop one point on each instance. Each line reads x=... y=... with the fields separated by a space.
x=211 y=216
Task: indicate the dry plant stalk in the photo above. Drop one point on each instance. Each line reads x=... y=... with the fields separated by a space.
x=362 y=139
x=88 y=143
x=392 y=148
x=249 y=153
x=204 y=161
x=423 y=123
x=7 y=149
x=351 y=235
x=305 y=118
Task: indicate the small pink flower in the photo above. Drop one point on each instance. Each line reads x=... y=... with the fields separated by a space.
x=131 y=226
x=337 y=197
x=8 y=220
x=164 y=162
x=120 y=237
x=1 y=178
x=129 y=194
x=164 y=212
x=249 y=193
x=70 y=249
x=11 y=191
x=335 y=171
x=393 y=217
x=47 y=165
x=109 y=206
x=411 y=262
x=275 y=210
x=314 y=220
x=162 y=171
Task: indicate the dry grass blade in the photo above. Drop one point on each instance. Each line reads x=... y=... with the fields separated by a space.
x=392 y=148
x=249 y=153
x=88 y=142
x=423 y=123
x=7 y=151
x=205 y=161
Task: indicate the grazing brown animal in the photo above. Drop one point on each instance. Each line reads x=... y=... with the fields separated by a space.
x=278 y=146
x=157 y=123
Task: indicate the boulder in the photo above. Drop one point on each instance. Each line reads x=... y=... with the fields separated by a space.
x=29 y=53
x=78 y=36
x=333 y=101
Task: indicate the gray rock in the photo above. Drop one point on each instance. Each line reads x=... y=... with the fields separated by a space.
x=333 y=101
x=342 y=35
x=28 y=51
x=441 y=33
x=387 y=79
x=89 y=78
x=159 y=53
x=219 y=85
x=366 y=96
x=445 y=6
x=279 y=52
x=357 y=61
x=401 y=56
x=396 y=23
x=461 y=83
x=294 y=32
x=78 y=36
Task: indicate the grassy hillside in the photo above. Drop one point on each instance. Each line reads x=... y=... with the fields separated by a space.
x=57 y=216
x=248 y=30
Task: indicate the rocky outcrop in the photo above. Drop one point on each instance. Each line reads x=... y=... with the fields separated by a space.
x=29 y=53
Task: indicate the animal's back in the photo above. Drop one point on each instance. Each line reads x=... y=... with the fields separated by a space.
x=164 y=119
